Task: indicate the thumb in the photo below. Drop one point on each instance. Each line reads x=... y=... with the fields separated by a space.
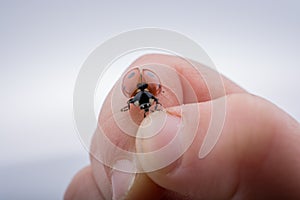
x=184 y=152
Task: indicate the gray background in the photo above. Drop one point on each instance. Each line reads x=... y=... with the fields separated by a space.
x=44 y=43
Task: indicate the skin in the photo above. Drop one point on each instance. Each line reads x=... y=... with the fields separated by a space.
x=256 y=157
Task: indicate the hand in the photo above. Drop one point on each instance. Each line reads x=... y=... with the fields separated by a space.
x=256 y=156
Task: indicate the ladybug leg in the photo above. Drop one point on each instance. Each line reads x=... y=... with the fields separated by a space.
x=156 y=103
x=125 y=108
x=129 y=102
x=147 y=110
x=128 y=105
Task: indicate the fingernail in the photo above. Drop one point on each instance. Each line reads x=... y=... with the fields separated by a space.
x=162 y=129
x=122 y=178
x=166 y=144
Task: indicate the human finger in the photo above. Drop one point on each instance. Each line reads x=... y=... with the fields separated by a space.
x=256 y=155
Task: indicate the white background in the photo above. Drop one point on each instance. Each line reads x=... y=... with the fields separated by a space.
x=44 y=43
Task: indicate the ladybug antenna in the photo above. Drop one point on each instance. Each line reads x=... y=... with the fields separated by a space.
x=141 y=77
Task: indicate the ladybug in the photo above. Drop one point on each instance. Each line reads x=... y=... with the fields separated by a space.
x=141 y=86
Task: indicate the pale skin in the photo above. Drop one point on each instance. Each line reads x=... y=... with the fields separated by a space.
x=257 y=155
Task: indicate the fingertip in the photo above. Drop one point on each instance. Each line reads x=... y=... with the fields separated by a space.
x=157 y=144
x=165 y=136
x=217 y=172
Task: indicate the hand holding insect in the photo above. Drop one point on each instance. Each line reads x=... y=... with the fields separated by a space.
x=257 y=154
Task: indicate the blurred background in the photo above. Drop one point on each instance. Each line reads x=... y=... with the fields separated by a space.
x=44 y=43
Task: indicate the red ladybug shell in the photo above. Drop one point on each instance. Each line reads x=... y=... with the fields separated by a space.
x=135 y=76
x=152 y=80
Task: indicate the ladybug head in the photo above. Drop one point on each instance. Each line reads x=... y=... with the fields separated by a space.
x=142 y=86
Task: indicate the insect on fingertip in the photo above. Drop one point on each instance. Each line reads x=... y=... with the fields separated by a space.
x=141 y=86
